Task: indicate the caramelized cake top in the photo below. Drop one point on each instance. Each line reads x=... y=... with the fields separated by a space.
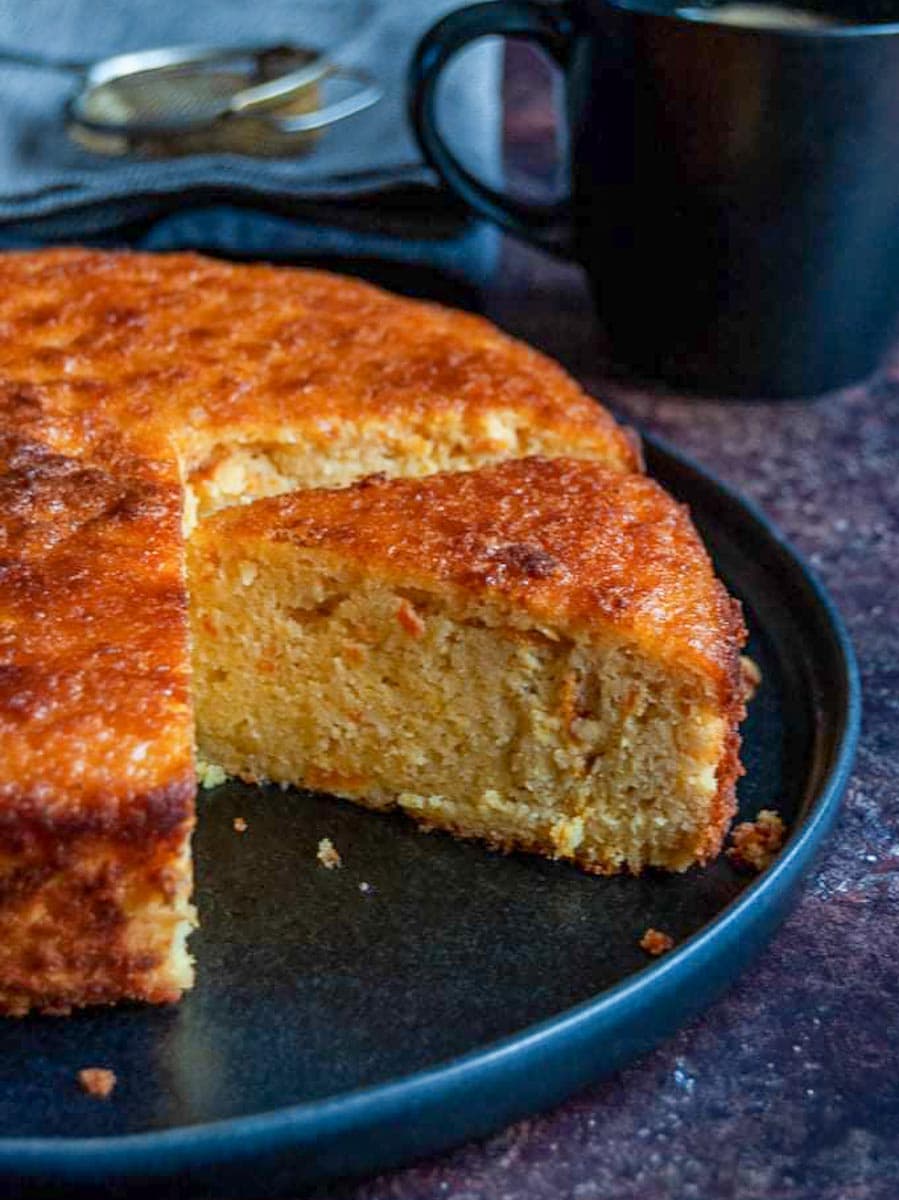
x=95 y=726
x=206 y=351
x=574 y=544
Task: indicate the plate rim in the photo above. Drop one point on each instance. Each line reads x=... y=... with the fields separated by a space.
x=74 y=1158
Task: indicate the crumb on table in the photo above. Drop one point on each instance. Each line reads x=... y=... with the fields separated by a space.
x=365 y=887
x=751 y=676
x=754 y=844
x=655 y=942
x=97 y=1081
x=328 y=855
x=240 y=825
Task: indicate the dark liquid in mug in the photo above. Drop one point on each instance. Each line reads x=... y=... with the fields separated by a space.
x=750 y=15
x=760 y=16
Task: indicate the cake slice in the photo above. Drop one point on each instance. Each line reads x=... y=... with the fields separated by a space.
x=535 y=653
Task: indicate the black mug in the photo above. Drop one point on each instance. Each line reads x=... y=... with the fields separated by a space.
x=734 y=181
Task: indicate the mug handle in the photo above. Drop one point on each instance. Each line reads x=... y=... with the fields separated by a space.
x=547 y=225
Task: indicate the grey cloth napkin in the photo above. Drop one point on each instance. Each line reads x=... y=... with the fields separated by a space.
x=62 y=190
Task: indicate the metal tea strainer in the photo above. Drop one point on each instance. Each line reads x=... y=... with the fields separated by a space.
x=189 y=97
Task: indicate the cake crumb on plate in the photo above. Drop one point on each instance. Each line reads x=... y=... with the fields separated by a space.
x=754 y=844
x=209 y=775
x=328 y=855
x=240 y=825
x=97 y=1081
x=655 y=942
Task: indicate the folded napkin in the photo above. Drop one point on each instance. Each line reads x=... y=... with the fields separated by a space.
x=364 y=187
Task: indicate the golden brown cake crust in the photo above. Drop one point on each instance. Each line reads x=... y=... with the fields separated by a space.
x=202 y=350
x=94 y=705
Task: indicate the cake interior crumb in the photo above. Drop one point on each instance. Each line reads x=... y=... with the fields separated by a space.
x=755 y=844
x=97 y=1081
x=328 y=855
x=655 y=942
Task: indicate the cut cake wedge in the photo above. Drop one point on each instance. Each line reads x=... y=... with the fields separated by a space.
x=535 y=653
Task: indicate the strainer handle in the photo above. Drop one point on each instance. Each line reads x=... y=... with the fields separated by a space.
x=368 y=93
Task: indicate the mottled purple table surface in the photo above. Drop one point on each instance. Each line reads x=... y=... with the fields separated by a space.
x=788 y=1088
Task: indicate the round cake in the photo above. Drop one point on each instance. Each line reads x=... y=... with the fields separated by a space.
x=140 y=395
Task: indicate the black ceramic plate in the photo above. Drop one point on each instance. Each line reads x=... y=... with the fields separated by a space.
x=335 y=1029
